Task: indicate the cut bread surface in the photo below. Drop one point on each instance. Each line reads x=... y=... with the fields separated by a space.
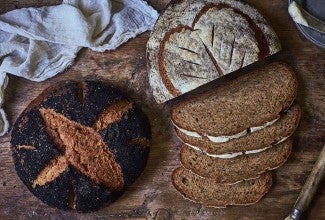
x=250 y=100
x=232 y=170
x=195 y=42
x=210 y=193
x=282 y=128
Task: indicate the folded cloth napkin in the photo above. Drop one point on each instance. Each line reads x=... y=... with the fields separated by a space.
x=38 y=43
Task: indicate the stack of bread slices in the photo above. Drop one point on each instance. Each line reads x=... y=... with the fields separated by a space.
x=235 y=135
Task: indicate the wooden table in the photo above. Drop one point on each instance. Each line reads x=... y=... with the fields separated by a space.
x=153 y=196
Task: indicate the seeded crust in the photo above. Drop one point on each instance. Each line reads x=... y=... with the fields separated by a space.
x=195 y=42
x=270 y=135
x=235 y=169
x=247 y=101
x=210 y=193
x=80 y=144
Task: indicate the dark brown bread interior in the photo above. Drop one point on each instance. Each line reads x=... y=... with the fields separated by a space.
x=210 y=193
x=282 y=128
x=231 y=170
x=247 y=101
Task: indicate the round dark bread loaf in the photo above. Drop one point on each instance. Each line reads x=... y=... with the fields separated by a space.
x=80 y=144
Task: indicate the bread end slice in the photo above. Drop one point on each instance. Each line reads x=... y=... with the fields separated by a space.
x=206 y=191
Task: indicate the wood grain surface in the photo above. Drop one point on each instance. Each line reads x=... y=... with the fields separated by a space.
x=153 y=196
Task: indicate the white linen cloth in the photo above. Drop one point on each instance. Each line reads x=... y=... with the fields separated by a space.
x=38 y=43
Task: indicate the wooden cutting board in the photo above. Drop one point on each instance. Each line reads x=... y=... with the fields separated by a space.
x=153 y=196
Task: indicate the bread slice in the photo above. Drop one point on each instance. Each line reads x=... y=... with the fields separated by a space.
x=231 y=170
x=270 y=135
x=250 y=100
x=195 y=42
x=210 y=193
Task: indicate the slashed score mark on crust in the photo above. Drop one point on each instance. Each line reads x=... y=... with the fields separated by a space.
x=83 y=148
x=258 y=34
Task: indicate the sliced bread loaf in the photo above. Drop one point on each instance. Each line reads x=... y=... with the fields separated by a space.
x=282 y=128
x=231 y=170
x=210 y=193
x=195 y=42
x=251 y=100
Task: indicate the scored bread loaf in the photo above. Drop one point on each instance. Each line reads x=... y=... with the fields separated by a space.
x=281 y=129
x=195 y=42
x=254 y=100
x=231 y=170
x=210 y=193
x=79 y=145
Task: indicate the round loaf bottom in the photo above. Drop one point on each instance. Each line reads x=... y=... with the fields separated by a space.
x=80 y=144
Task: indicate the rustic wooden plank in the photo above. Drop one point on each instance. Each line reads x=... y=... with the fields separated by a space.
x=153 y=196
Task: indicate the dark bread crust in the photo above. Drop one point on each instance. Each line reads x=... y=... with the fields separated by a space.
x=240 y=95
x=209 y=193
x=270 y=135
x=232 y=170
x=82 y=104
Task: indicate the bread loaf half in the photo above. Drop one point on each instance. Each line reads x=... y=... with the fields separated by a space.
x=195 y=42
x=210 y=193
x=248 y=103
x=231 y=170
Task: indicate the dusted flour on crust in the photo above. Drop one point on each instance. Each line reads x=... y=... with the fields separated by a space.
x=195 y=42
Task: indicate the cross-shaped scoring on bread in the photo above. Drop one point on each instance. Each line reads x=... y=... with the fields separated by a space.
x=83 y=148
x=79 y=145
